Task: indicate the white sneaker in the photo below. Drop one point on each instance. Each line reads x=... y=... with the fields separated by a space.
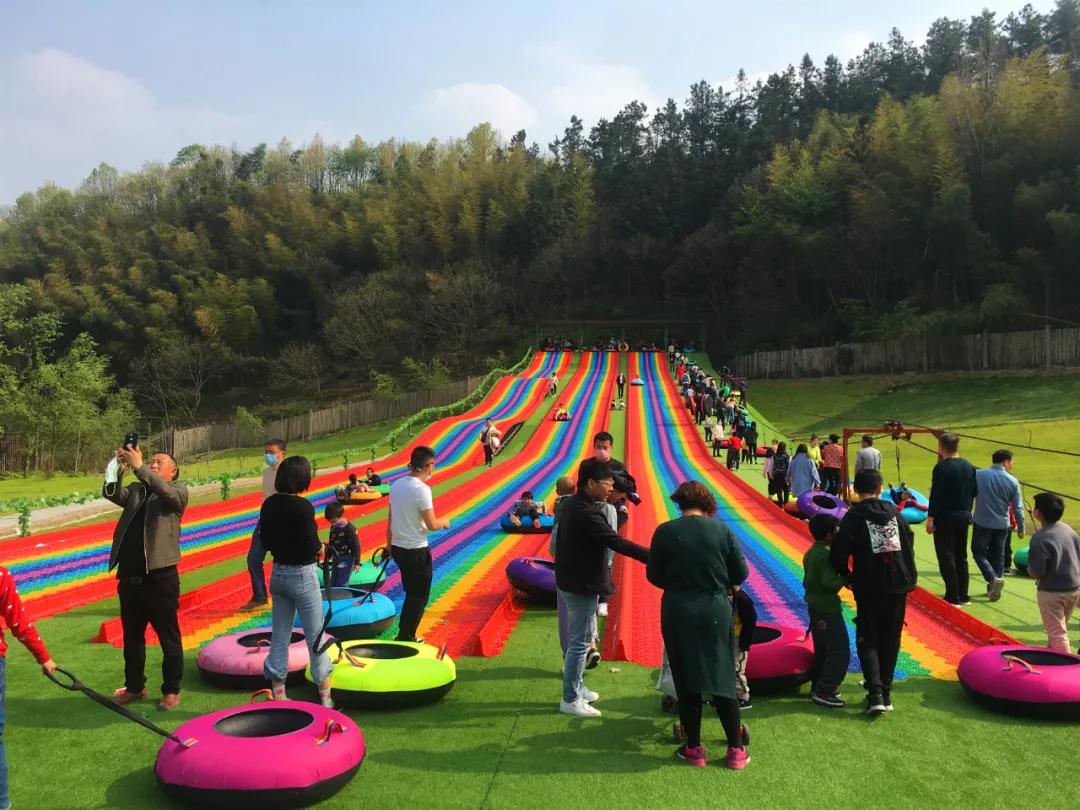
x=588 y=695
x=601 y=609
x=578 y=708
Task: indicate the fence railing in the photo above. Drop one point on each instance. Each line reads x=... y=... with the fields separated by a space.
x=186 y=442
x=1040 y=348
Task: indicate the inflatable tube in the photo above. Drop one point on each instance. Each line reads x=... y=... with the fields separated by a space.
x=815 y=502
x=546 y=522
x=761 y=451
x=533 y=576
x=792 y=508
x=912 y=514
x=390 y=674
x=365 y=578
x=1020 y=559
x=637 y=381
x=1029 y=681
x=235 y=660
x=355 y=619
x=373 y=494
x=780 y=658
x=279 y=754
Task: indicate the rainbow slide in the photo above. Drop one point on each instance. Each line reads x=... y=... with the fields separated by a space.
x=469 y=586
x=64 y=569
x=666 y=448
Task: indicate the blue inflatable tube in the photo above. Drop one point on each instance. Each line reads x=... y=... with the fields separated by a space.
x=912 y=514
x=546 y=522
x=357 y=614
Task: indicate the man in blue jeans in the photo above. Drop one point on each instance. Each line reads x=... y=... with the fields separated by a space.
x=584 y=535
x=274 y=454
x=998 y=489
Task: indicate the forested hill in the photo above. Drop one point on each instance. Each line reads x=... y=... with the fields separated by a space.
x=920 y=187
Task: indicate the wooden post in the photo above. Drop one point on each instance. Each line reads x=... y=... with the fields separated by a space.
x=1047 y=346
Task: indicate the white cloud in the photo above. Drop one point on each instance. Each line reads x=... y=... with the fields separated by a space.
x=459 y=107
x=588 y=89
x=67 y=114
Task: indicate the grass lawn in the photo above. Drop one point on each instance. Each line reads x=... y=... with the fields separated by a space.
x=327 y=448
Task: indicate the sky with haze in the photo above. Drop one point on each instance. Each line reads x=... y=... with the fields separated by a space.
x=129 y=82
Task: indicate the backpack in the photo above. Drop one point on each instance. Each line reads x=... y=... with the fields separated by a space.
x=483 y=435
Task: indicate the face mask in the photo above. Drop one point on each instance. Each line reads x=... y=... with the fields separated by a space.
x=428 y=475
x=603 y=454
x=112 y=471
x=271 y=459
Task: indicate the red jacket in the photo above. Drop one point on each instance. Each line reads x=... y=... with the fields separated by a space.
x=16 y=618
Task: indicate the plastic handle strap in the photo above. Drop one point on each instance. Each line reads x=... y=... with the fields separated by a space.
x=258 y=648
x=331 y=727
x=74 y=686
x=1014 y=659
x=262 y=693
x=442 y=652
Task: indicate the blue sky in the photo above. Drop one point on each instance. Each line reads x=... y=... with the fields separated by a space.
x=131 y=82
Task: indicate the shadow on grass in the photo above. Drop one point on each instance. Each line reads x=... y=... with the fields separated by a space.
x=138 y=789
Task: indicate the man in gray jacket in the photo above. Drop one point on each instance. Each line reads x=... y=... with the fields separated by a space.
x=145 y=551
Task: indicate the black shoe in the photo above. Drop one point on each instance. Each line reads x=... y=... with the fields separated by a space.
x=886 y=699
x=745 y=704
x=832 y=701
x=875 y=705
x=592 y=658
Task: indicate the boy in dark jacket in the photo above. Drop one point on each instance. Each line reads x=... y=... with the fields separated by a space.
x=880 y=545
x=344 y=545
x=744 y=620
x=822 y=585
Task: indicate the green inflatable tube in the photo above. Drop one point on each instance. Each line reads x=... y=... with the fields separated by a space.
x=1020 y=559
x=373 y=674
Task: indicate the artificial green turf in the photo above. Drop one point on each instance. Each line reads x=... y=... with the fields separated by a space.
x=497 y=741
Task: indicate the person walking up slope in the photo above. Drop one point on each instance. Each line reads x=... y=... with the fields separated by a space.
x=881 y=548
x=952 y=492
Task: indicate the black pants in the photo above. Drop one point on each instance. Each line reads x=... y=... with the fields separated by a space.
x=716 y=450
x=622 y=387
x=154 y=601
x=1008 y=551
x=727 y=709
x=487 y=454
x=415 y=567
x=950 y=544
x=708 y=434
x=831 y=650
x=751 y=452
x=780 y=488
x=879 y=621
x=732 y=459
x=830 y=480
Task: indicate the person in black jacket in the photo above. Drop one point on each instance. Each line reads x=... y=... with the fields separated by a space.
x=584 y=535
x=287 y=524
x=953 y=489
x=880 y=545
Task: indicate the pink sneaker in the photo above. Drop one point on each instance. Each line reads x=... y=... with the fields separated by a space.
x=737 y=758
x=692 y=756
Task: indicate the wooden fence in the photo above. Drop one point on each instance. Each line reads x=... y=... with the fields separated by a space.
x=186 y=442
x=1043 y=348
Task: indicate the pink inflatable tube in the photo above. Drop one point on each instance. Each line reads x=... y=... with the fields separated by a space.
x=780 y=658
x=1028 y=681
x=279 y=754
x=235 y=660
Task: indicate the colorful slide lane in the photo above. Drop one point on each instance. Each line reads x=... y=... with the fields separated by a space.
x=469 y=585
x=663 y=440
x=61 y=570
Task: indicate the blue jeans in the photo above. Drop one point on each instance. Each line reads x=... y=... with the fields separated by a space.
x=581 y=621
x=342 y=571
x=564 y=624
x=295 y=589
x=256 y=557
x=988 y=549
x=4 y=802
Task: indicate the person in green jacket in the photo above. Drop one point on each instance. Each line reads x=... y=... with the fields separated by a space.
x=831 y=647
x=696 y=561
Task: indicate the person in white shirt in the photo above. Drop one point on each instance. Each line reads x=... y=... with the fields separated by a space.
x=553 y=384
x=489 y=437
x=868 y=457
x=274 y=454
x=412 y=516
